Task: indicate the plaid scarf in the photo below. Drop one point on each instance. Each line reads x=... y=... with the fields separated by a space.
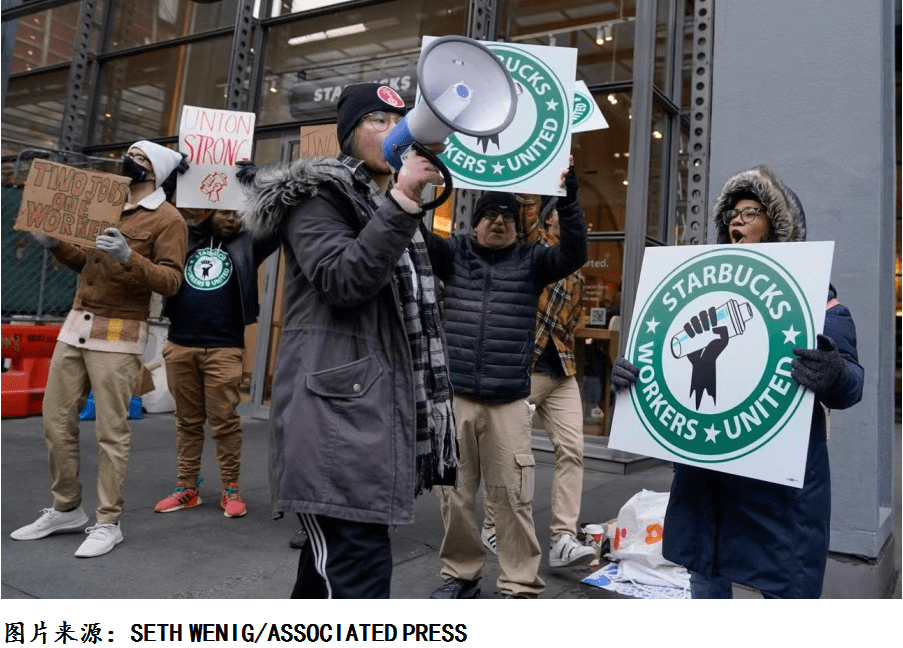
x=437 y=455
x=557 y=315
x=436 y=443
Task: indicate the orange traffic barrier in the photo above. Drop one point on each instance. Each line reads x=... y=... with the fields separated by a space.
x=29 y=349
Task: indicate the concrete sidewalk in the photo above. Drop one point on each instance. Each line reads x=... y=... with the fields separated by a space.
x=199 y=553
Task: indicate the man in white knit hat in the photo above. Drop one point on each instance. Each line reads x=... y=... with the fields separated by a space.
x=101 y=342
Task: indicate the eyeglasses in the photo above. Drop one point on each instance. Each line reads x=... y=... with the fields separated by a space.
x=381 y=121
x=746 y=214
x=138 y=157
x=507 y=217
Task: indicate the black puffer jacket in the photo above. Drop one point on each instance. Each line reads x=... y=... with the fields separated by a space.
x=490 y=305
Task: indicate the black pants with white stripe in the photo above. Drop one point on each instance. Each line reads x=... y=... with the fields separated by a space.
x=343 y=559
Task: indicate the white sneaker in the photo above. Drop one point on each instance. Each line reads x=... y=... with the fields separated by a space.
x=567 y=551
x=102 y=539
x=51 y=521
x=488 y=536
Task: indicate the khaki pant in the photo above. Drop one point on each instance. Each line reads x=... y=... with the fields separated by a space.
x=559 y=407
x=112 y=376
x=494 y=440
x=205 y=385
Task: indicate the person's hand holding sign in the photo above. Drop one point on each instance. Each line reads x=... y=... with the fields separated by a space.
x=113 y=243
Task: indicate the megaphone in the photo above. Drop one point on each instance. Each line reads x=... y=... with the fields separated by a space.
x=464 y=88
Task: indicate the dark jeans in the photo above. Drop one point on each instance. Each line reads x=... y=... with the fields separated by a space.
x=716 y=587
x=343 y=559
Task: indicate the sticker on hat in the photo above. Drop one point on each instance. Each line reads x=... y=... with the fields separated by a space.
x=389 y=96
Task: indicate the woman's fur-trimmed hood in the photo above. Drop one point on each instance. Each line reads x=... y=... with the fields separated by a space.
x=788 y=220
x=276 y=189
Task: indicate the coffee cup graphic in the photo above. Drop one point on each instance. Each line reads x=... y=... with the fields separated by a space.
x=732 y=315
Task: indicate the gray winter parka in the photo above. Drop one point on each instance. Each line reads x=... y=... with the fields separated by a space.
x=343 y=403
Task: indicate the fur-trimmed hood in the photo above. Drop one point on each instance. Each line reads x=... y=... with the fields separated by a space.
x=788 y=220
x=276 y=189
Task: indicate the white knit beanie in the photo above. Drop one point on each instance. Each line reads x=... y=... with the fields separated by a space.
x=162 y=159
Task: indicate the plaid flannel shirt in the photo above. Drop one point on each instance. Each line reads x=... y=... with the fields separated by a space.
x=559 y=308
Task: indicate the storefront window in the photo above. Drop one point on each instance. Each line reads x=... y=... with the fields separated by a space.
x=142 y=96
x=601 y=158
x=659 y=174
x=144 y=22
x=308 y=62
x=597 y=337
x=602 y=32
x=33 y=110
x=45 y=38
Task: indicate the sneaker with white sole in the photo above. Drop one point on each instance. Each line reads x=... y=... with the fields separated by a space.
x=51 y=521
x=568 y=551
x=489 y=540
x=101 y=539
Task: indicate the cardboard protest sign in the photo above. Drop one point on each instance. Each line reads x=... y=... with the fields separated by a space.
x=68 y=204
x=587 y=115
x=214 y=140
x=531 y=152
x=723 y=398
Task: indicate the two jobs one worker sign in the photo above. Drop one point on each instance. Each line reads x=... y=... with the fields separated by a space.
x=713 y=334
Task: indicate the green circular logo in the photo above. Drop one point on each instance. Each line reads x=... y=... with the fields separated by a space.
x=533 y=138
x=582 y=109
x=714 y=343
x=208 y=269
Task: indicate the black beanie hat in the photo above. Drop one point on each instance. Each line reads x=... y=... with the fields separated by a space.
x=362 y=99
x=499 y=201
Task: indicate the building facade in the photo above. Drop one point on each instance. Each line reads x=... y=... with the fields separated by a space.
x=83 y=79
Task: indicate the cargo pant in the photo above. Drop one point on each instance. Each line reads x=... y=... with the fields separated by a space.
x=205 y=386
x=494 y=441
x=558 y=403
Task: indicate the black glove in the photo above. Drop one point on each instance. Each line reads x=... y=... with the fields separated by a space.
x=623 y=374
x=818 y=369
x=169 y=185
x=247 y=171
x=571 y=185
x=183 y=164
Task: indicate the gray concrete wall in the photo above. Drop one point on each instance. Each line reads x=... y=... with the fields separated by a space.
x=807 y=88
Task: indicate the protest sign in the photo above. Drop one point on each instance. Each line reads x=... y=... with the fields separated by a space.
x=723 y=398
x=214 y=140
x=587 y=115
x=530 y=154
x=68 y=204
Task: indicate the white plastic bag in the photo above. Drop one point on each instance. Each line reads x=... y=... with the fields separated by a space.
x=637 y=542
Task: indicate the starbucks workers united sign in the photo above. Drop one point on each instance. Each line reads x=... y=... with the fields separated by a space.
x=530 y=154
x=713 y=335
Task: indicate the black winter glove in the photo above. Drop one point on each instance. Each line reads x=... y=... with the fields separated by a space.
x=571 y=185
x=623 y=374
x=247 y=171
x=818 y=369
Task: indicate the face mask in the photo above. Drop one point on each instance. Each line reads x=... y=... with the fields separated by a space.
x=133 y=170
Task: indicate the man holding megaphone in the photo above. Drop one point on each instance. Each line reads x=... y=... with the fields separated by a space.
x=361 y=407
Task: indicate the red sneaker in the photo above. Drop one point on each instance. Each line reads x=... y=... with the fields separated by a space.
x=180 y=497
x=232 y=504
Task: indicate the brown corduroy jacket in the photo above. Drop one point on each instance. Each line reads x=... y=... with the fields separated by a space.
x=108 y=288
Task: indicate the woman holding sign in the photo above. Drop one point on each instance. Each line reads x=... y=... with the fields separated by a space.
x=730 y=529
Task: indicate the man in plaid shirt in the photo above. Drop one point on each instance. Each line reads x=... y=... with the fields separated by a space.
x=554 y=391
